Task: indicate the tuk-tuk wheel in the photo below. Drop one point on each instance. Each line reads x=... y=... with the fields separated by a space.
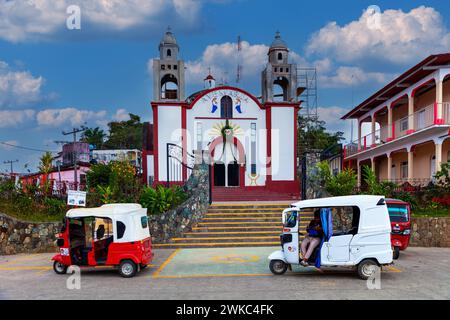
x=367 y=268
x=396 y=253
x=127 y=269
x=278 y=267
x=59 y=267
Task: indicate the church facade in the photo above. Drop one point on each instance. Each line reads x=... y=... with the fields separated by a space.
x=249 y=142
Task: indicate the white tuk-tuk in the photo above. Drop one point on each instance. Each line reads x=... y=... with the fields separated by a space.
x=356 y=233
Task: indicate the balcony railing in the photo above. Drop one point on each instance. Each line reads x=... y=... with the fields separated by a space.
x=421 y=119
x=446 y=112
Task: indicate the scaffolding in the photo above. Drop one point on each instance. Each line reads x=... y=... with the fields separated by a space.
x=307 y=84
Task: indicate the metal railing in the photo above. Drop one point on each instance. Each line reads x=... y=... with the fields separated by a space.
x=446 y=112
x=421 y=119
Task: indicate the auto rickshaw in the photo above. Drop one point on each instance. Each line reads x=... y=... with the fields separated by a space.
x=111 y=235
x=356 y=234
x=400 y=215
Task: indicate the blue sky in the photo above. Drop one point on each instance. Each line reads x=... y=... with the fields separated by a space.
x=52 y=78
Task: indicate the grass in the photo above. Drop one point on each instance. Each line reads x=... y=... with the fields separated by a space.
x=441 y=212
x=33 y=215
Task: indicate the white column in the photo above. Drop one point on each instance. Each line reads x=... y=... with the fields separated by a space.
x=389 y=164
x=410 y=164
x=438 y=155
x=358 y=170
x=410 y=114
x=390 y=133
x=439 y=99
x=359 y=135
x=373 y=142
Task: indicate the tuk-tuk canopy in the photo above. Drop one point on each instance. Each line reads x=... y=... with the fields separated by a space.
x=105 y=211
x=374 y=215
x=130 y=217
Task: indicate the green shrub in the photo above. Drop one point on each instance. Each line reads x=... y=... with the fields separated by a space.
x=105 y=194
x=161 y=199
x=98 y=175
x=342 y=184
x=54 y=206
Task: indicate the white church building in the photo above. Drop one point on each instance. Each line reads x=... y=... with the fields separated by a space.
x=249 y=142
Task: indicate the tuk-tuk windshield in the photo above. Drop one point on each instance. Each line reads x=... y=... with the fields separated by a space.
x=290 y=219
x=398 y=212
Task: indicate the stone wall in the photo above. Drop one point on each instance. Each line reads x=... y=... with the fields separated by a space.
x=174 y=222
x=25 y=237
x=31 y=237
x=430 y=232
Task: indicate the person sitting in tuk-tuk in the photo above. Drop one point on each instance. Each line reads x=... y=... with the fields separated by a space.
x=312 y=239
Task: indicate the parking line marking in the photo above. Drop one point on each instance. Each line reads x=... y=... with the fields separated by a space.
x=157 y=272
x=25 y=268
x=394 y=269
x=214 y=275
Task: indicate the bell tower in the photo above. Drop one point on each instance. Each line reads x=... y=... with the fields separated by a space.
x=168 y=71
x=279 y=78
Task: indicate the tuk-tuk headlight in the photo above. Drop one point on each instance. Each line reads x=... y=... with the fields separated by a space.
x=407 y=232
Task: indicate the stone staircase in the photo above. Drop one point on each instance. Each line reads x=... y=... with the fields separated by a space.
x=236 y=225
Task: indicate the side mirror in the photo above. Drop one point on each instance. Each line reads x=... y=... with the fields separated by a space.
x=60 y=242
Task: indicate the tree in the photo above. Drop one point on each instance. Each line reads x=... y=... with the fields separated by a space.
x=125 y=134
x=342 y=184
x=313 y=135
x=45 y=166
x=94 y=136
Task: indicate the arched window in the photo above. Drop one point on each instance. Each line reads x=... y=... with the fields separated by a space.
x=280 y=56
x=226 y=107
x=169 y=87
x=169 y=52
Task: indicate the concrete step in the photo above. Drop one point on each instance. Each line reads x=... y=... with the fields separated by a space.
x=238 y=229
x=226 y=239
x=217 y=244
x=207 y=234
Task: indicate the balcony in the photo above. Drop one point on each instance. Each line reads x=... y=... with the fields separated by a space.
x=419 y=120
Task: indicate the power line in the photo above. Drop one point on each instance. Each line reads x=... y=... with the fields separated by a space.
x=25 y=148
x=10 y=162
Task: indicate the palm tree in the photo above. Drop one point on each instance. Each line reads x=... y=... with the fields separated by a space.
x=45 y=167
x=94 y=136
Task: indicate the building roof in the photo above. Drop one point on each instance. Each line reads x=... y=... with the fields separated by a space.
x=168 y=39
x=407 y=79
x=209 y=77
x=278 y=42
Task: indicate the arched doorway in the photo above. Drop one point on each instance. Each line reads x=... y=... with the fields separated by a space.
x=228 y=163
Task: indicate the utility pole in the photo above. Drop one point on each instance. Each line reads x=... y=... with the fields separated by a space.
x=74 y=152
x=10 y=162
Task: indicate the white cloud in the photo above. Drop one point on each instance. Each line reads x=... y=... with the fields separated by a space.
x=14 y=118
x=332 y=117
x=121 y=115
x=22 y=20
x=347 y=76
x=18 y=88
x=397 y=37
x=68 y=116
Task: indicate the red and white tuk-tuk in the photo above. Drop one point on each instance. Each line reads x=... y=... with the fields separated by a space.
x=400 y=216
x=111 y=235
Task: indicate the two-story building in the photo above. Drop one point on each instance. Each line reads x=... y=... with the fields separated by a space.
x=409 y=121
